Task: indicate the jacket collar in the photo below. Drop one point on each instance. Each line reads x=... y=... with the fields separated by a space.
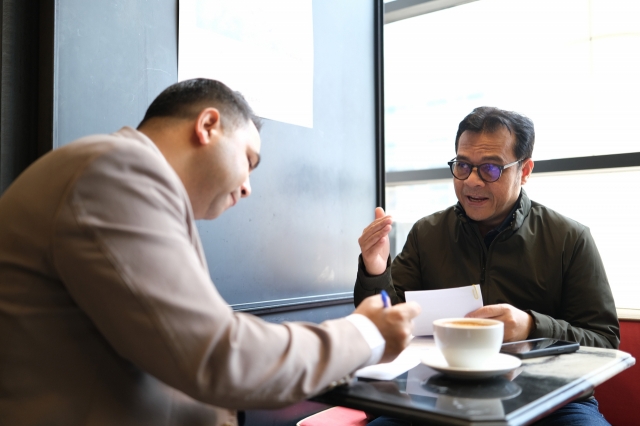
x=522 y=211
x=131 y=133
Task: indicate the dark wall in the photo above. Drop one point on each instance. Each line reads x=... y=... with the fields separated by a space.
x=315 y=189
x=18 y=88
x=294 y=241
x=112 y=59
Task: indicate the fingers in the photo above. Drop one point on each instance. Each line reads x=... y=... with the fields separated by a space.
x=402 y=315
x=517 y=323
x=370 y=303
x=377 y=225
x=489 y=311
x=410 y=309
x=377 y=230
x=381 y=220
x=374 y=243
x=367 y=242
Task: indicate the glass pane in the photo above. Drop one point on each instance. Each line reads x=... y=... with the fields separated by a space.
x=408 y=203
x=605 y=202
x=571 y=66
x=600 y=200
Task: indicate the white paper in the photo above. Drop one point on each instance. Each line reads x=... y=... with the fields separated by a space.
x=446 y=303
x=407 y=359
x=262 y=49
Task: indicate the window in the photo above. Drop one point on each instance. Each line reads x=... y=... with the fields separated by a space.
x=571 y=66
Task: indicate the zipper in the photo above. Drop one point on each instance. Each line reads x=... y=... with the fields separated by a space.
x=483 y=252
x=486 y=252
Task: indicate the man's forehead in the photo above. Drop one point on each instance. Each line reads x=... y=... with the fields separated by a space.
x=489 y=144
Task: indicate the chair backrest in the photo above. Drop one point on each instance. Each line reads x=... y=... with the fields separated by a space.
x=619 y=398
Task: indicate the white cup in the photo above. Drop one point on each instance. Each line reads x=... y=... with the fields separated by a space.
x=468 y=342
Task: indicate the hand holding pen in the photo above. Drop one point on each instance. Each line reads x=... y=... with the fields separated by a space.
x=393 y=322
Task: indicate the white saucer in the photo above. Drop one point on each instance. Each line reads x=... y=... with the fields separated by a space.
x=497 y=366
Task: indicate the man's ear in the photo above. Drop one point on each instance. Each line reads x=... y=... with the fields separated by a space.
x=527 y=168
x=208 y=126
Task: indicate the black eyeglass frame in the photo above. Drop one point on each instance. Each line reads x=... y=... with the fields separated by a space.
x=477 y=167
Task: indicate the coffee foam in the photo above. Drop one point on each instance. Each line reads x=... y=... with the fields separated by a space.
x=462 y=323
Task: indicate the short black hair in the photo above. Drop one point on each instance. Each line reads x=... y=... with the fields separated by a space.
x=186 y=99
x=490 y=119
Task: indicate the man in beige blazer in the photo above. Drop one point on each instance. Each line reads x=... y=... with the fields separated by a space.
x=108 y=315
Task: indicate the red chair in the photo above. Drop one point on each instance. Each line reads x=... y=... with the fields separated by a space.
x=619 y=397
x=336 y=416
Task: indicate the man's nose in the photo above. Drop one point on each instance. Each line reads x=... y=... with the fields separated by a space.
x=245 y=188
x=474 y=178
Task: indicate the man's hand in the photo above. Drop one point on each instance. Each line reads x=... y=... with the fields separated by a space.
x=517 y=323
x=394 y=323
x=374 y=243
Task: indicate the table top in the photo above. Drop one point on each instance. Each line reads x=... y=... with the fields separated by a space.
x=536 y=388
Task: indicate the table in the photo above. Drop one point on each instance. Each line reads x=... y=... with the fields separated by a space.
x=538 y=387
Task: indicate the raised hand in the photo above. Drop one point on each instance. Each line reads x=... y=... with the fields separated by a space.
x=394 y=323
x=517 y=323
x=374 y=243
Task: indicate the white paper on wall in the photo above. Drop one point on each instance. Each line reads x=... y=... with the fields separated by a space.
x=262 y=49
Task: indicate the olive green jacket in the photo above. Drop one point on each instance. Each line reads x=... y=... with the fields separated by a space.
x=543 y=263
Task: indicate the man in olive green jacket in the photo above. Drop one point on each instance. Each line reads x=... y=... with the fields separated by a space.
x=539 y=272
x=543 y=263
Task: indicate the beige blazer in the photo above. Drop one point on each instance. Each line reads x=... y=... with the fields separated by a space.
x=108 y=315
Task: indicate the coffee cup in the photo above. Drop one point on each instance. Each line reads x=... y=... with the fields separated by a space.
x=468 y=342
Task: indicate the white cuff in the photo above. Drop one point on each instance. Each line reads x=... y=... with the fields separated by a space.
x=371 y=335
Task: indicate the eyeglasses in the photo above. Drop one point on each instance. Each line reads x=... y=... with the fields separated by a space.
x=488 y=172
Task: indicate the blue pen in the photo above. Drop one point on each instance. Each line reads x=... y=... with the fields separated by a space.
x=386 y=302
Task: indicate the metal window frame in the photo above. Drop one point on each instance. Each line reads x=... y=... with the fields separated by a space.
x=404 y=9
x=595 y=162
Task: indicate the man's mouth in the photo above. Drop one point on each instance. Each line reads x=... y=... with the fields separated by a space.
x=476 y=199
